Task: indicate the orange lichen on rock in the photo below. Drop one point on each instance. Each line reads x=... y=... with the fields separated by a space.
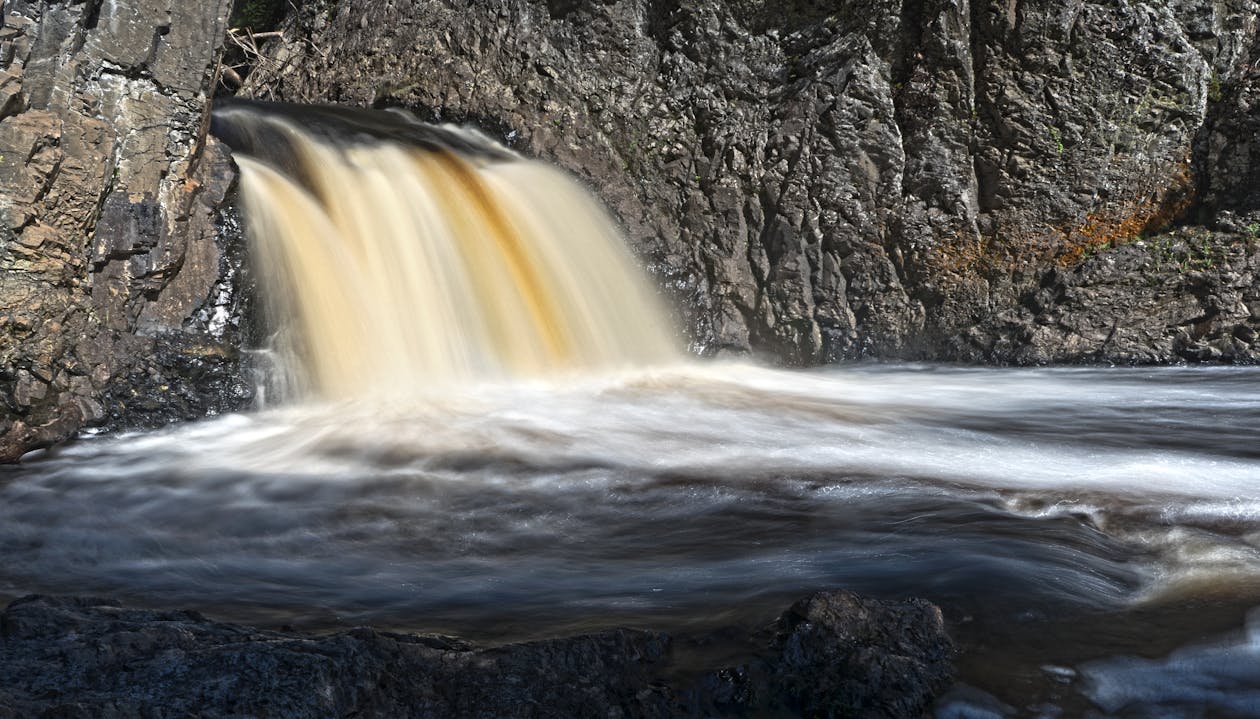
x=962 y=253
x=1105 y=229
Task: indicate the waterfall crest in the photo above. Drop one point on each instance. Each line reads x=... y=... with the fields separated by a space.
x=441 y=258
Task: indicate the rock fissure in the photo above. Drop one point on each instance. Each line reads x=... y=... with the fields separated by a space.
x=93 y=153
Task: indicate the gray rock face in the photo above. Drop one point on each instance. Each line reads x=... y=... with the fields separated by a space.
x=834 y=654
x=960 y=180
x=110 y=197
x=1191 y=294
x=889 y=178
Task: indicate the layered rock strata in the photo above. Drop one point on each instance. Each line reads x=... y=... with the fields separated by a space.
x=116 y=293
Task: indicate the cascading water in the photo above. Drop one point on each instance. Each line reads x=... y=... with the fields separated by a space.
x=408 y=267
x=1086 y=531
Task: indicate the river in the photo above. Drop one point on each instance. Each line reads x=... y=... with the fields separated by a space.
x=1092 y=534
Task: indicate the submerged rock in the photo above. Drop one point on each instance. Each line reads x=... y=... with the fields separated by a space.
x=834 y=654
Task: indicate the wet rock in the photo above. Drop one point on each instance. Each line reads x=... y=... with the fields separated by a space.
x=821 y=181
x=109 y=197
x=177 y=376
x=842 y=655
x=834 y=655
x=1176 y=297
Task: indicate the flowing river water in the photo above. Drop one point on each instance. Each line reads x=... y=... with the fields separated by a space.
x=1093 y=535
x=467 y=453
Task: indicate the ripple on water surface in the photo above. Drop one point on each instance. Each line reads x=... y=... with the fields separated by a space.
x=686 y=498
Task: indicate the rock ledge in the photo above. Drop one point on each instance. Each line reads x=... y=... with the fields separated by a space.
x=832 y=654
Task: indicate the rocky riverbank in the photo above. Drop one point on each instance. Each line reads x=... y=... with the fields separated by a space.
x=832 y=654
x=965 y=180
x=117 y=290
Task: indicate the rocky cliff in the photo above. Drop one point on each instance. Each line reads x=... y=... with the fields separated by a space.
x=115 y=283
x=1018 y=182
x=981 y=181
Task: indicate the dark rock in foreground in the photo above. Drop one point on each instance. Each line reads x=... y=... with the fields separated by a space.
x=833 y=654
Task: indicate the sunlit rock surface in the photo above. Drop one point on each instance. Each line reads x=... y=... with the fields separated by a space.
x=111 y=268
x=912 y=178
x=833 y=654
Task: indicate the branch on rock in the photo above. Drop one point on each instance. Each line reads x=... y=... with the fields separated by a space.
x=246 y=42
x=239 y=32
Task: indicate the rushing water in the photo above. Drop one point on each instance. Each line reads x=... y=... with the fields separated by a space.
x=430 y=255
x=1092 y=534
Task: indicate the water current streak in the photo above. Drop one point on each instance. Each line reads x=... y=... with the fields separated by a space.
x=407 y=266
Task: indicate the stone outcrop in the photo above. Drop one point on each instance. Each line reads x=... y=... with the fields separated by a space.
x=115 y=286
x=942 y=179
x=833 y=654
x=1191 y=294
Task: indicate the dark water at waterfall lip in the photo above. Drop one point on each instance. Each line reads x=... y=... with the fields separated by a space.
x=250 y=127
x=1084 y=520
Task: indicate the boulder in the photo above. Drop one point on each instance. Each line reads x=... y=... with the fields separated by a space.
x=832 y=654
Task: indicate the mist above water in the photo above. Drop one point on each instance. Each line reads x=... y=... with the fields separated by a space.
x=647 y=494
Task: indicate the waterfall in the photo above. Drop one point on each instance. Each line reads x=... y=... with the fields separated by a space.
x=408 y=256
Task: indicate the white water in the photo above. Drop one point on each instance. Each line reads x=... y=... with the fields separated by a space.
x=680 y=497
x=1066 y=520
x=405 y=268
